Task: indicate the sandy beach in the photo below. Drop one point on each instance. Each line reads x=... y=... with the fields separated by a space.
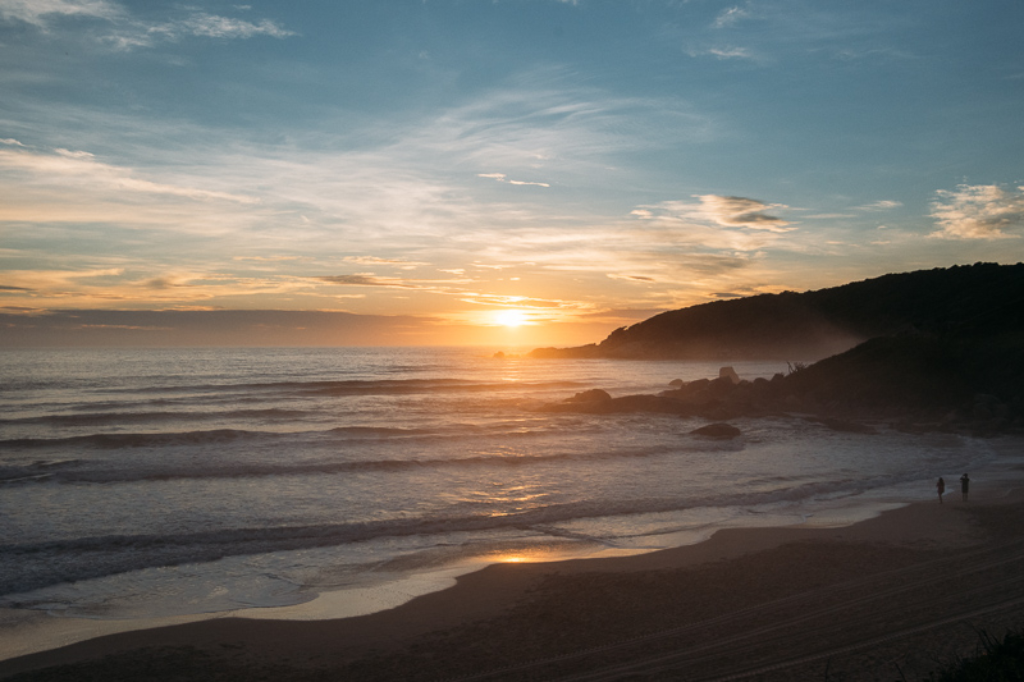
x=899 y=594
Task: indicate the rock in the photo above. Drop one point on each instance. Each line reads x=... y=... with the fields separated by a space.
x=500 y=355
x=719 y=430
x=644 y=403
x=695 y=387
x=730 y=373
x=793 y=403
x=608 y=405
x=594 y=395
x=721 y=387
x=677 y=383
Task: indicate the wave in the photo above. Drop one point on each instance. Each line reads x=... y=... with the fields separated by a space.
x=516 y=428
x=119 y=418
x=110 y=441
x=82 y=471
x=137 y=440
x=29 y=566
x=359 y=386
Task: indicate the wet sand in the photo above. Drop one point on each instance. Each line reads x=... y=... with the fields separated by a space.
x=896 y=595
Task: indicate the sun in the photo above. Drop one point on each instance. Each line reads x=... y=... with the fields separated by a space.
x=511 y=318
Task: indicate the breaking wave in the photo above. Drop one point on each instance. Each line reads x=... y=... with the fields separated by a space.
x=30 y=566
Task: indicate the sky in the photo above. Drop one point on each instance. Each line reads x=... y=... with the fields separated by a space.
x=494 y=172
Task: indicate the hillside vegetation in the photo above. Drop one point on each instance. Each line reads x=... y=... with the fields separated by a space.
x=984 y=298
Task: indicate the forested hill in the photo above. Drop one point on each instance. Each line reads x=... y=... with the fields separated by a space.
x=984 y=300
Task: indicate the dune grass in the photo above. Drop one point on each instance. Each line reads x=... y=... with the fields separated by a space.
x=996 y=661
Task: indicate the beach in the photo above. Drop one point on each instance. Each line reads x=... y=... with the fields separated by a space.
x=901 y=593
x=370 y=514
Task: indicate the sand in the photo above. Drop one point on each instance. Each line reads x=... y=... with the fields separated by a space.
x=890 y=598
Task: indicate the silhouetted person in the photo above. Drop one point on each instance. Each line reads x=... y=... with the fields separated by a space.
x=941 y=487
x=965 y=483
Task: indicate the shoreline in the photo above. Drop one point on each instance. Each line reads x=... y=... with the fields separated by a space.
x=29 y=632
x=492 y=607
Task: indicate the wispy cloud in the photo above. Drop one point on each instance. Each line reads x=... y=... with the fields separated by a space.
x=213 y=26
x=400 y=263
x=501 y=177
x=724 y=52
x=978 y=212
x=82 y=169
x=369 y=279
x=727 y=211
x=730 y=16
x=124 y=31
x=883 y=205
x=40 y=12
x=742 y=212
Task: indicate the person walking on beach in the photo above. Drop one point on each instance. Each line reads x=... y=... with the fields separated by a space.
x=965 y=483
x=941 y=487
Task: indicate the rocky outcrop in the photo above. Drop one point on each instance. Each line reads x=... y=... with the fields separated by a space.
x=910 y=383
x=723 y=398
x=628 y=403
x=730 y=374
x=594 y=395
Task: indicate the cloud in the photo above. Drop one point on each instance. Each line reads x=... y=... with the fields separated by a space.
x=724 y=53
x=347 y=191
x=125 y=32
x=203 y=25
x=631 y=278
x=884 y=205
x=38 y=12
x=731 y=53
x=730 y=16
x=198 y=327
x=978 y=212
x=374 y=260
x=368 y=280
x=213 y=26
x=79 y=169
x=500 y=177
x=730 y=211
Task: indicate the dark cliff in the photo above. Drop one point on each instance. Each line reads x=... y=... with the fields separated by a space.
x=972 y=300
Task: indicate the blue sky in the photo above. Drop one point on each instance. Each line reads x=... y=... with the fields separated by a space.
x=438 y=164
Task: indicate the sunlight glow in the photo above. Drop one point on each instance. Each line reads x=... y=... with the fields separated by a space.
x=511 y=318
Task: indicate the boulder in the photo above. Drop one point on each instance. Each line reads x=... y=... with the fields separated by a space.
x=594 y=395
x=677 y=383
x=719 y=430
x=730 y=374
x=608 y=405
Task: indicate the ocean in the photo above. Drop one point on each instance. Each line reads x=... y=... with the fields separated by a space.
x=146 y=484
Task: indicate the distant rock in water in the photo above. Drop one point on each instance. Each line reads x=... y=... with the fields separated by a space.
x=594 y=395
x=730 y=374
x=677 y=383
x=719 y=430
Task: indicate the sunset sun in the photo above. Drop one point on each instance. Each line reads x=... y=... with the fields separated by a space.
x=511 y=318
